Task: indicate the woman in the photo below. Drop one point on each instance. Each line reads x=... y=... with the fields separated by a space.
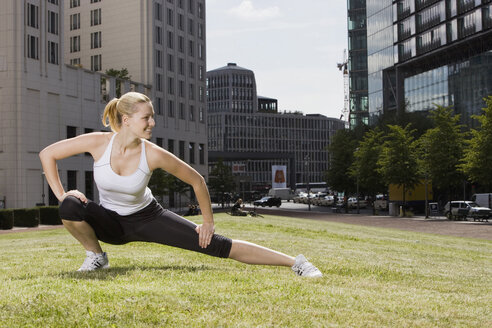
x=123 y=163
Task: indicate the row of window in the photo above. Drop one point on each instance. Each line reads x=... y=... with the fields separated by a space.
x=191 y=7
x=96 y=19
x=32 y=18
x=171 y=111
x=52 y=49
x=96 y=42
x=200 y=51
x=76 y=3
x=236 y=80
x=180 y=21
x=180 y=64
x=181 y=88
x=96 y=62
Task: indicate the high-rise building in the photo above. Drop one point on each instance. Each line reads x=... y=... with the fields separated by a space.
x=250 y=134
x=161 y=43
x=357 y=63
x=427 y=52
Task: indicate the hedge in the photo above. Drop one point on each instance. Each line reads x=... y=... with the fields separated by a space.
x=49 y=215
x=26 y=217
x=6 y=219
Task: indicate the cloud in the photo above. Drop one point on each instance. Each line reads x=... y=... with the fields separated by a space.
x=247 y=11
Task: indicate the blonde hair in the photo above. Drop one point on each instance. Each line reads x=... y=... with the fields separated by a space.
x=125 y=105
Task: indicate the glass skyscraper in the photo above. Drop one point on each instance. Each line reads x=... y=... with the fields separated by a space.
x=423 y=53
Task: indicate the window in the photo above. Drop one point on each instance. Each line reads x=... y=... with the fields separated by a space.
x=159 y=142
x=74 y=3
x=96 y=17
x=200 y=94
x=52 y=22
x=158 y=11
x=75 y=43
x=191 y=6
x=55 y=2
x=52 y=52
x=191 y=93
x=181 y=111
x=200 y=10
x=170 y=145
x=159 y=106
x=89 y=184
x=158 y=82
x=200 y=51
x=201 y=153
x=94 y=1
x=71 y=131
x=200 y=73
x=158 y=58
x=170 y=40
x=32 y=47
x=192 y=113
x=191 y=29
x=191 y=148
x=75 y=62
x=71 y=180
x=95 y=40
x=200 y=31
x=191 y=51
x=181 y=66
x=170 y=15
x=180 y=44
x=180 y=22
x=200 y=115
x=170 y=108
x=158 y=35
x=170 y=62
x=181 y=149
x=180 y=4
x=74 y=22
x=32 y=15
x=191 y=69
x=96 y=63
x=170 y=86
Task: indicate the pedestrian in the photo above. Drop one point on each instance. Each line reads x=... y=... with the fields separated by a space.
x=123 y=163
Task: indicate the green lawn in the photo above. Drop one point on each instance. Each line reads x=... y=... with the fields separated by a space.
x=372 y=278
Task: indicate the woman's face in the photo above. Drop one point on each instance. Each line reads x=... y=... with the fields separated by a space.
x=142 y=121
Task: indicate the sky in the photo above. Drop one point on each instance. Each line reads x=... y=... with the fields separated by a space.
x=292 y=46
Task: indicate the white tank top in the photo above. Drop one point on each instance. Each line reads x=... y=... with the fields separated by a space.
x=123 y=194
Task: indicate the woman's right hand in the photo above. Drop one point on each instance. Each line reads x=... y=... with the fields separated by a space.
x=75 y=193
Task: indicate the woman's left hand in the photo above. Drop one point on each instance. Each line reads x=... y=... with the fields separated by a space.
x=205 y=232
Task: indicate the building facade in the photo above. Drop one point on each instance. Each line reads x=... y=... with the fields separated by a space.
x=46 y=99
x=357 y=63
x=161 y=43
x=427 y=52
x=250 y=134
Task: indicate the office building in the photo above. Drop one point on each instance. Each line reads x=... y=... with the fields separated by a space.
x=161 y=43
x=250 y=134
x=426 y=52
x=357 y=63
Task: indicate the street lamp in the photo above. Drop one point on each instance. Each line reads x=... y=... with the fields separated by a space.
x=358 y=173
x=306 y=165
x=42 y=188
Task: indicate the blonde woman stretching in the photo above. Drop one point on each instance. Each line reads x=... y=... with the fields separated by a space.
x=123 y=163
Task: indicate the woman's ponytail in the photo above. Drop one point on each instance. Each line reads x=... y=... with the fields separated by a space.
x=111 y=117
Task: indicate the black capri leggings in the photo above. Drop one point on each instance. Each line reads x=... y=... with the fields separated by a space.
x=151 y=224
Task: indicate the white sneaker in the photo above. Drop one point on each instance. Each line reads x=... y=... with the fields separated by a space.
x=94 y=261
x=304 y=268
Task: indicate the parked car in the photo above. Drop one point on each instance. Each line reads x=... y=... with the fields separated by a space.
x=352 y=202
x=463 y=209
x=381 y=202
x=327 y=201
x=299 y=197
x=268 y=201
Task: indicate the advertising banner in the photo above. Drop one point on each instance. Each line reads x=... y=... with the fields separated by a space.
x=279 y=176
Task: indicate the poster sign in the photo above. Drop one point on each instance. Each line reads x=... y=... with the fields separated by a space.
x=279 y=176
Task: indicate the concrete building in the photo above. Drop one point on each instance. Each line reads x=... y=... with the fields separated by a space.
x=426 y=52
x=250 y=134
x=45 y=100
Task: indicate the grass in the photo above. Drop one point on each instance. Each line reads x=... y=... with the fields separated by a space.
x=372 y=278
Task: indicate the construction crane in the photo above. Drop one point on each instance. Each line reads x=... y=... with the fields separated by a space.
x=343 y=67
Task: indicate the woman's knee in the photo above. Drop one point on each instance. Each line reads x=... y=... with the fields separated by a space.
x=71 y=209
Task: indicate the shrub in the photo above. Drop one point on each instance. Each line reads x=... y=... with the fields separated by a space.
x=49 y=215
x=26 y=217
x=6 y=219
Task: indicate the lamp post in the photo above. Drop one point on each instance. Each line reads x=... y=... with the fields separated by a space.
x=306 y=165
x=357 y=192
x=42 y=188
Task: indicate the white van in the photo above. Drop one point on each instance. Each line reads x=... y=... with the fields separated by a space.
x=282 y=193
x=484 y=200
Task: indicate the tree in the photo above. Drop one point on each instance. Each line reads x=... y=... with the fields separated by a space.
x=365 y=166
x=478 y=151
x=221 y=180
x=398 y=159
x=121 y=74
x=162 y=183
x=441 y=150
x=341 y=152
